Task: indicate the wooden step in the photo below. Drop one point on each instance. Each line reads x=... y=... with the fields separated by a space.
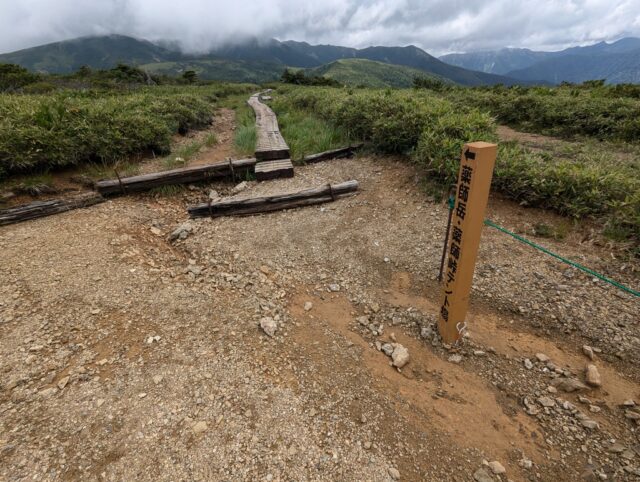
x=274 y=169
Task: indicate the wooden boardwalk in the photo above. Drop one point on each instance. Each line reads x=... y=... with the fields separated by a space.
x=270 y=143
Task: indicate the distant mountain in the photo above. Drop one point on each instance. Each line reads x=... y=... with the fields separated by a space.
x=368 y=73
x=617 y=62
x=615 y=68
x=96 y=52
x=265 y=56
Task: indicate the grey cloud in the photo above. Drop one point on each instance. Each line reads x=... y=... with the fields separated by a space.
x=438 y=26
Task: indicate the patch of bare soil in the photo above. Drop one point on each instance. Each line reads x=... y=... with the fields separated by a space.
x=126 y=356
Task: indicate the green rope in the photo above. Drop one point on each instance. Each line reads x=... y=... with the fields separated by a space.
x=564 y=260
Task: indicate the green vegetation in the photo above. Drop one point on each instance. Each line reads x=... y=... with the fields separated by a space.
x=432 y=131
x=221 y=70
x=245 y=135
x=298 y=77
x=109 y=116
x=369 y=73
x=593 y=109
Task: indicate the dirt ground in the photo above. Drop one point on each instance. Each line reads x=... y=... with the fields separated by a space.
x=127 y=356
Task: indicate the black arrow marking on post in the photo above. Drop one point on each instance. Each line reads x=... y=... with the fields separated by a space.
x=469 y=155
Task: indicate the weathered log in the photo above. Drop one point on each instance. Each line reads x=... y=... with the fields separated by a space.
x=39 y=209
x=145 y=182
x=340 y=153
x=244 y=207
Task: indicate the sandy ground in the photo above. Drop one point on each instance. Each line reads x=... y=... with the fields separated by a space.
x=126 y=356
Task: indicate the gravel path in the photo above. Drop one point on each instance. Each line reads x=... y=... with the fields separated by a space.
x=127 y=356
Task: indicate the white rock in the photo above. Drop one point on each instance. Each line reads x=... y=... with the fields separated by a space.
x=497 y=468
x=269 y=325
x=394 y=473
x=308 y=306
x=240 y=187
x=63 y=382
x=157 y=379
x=400 y=356
x=213 y=195
x=588 y=351
x=155 y=231
x=334 y=287
x=542 y=357
x=527 y=364
x=199 y=427
x=455 y=358
x=592 y=376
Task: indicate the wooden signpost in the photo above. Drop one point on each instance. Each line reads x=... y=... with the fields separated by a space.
x=472 y=195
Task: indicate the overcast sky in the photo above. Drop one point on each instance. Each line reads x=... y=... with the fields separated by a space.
x=438 y=26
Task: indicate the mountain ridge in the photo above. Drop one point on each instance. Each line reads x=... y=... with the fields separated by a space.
x=107 y=51
x=615 y=61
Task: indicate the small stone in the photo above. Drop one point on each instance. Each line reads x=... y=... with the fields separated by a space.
x=592 y=377
x=527 y=364
x=238 y=188
x=481 y=475
x=455 y=359
x=546 y=402
x=367 y=445
x=400 y=356
x=594 y=409
x=387 y=349
x=590 y=424
x=213 y=195
x=334 y=287
x=102 y=362
x=632 y=415
x=269 y=326
x=394 y=473
x=157 y=379
x=479 y=353
x=542 y=357
x=100 y=402
x=95 y=311
x=617 y=448
x=588 y=351
x=63 y=382
x=363 y=320
x=552 y=389
x=308 y=306
x=199 y=427
x=568 y=384
x=156 y=231
x=629 y=403
x=142 y=395
x=525 y=463
x=426 y=332
x=497 y=468
x=181 y=232
x=48 y=392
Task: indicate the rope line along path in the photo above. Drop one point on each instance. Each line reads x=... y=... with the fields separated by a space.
x=602 y=277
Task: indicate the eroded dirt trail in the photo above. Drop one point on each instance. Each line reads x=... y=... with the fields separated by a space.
x=125 y=356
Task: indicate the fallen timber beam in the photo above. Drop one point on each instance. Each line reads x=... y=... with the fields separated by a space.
x=245 y=207
x=340 y=153
x=145 y=182
x=40 y=209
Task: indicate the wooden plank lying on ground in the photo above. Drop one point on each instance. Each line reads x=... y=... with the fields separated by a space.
x=41 y=209
x=266 y=170
x=340 y=153
x=270 y=144
x=175 y=176
x=244 y=207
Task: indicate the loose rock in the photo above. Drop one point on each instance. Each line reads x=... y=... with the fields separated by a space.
x=269 y=326
x=400 y=356
x=496 y=467
x=592 y=377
